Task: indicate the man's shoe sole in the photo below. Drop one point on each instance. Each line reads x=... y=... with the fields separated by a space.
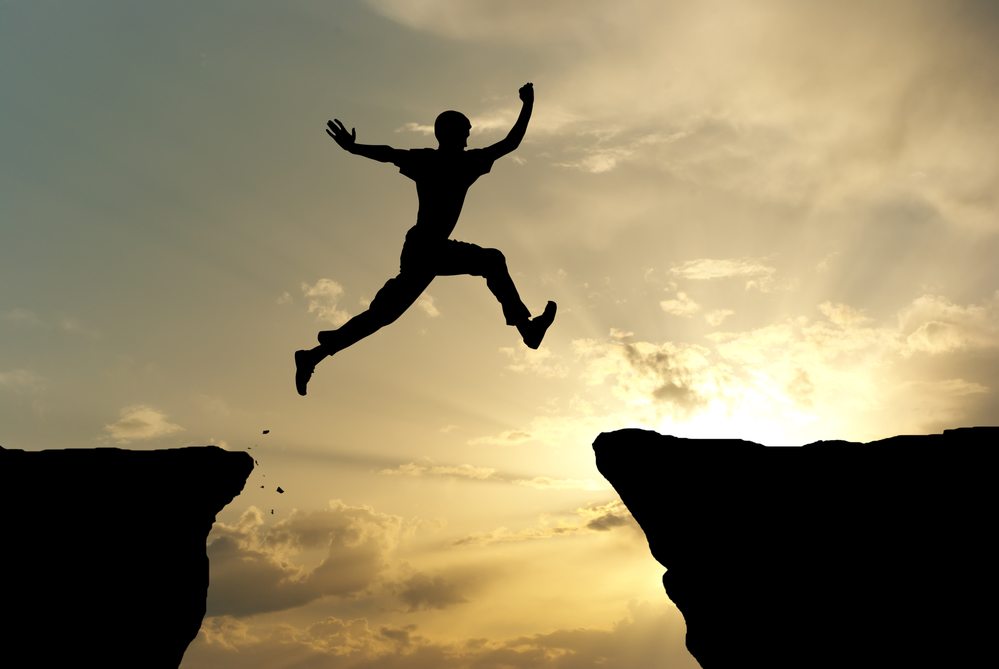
x=542 y=322
x=303 y=371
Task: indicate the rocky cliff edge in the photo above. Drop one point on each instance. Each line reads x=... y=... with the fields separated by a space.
x=103 y=559
x=834 y=554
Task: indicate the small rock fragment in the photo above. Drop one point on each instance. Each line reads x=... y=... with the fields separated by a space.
x=266 y=432
x=280 y=490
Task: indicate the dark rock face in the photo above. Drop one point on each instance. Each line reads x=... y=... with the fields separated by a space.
x=103 y=560
x=834 y=554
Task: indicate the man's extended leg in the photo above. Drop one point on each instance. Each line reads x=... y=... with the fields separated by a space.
x=466 y=258
x=390 y=302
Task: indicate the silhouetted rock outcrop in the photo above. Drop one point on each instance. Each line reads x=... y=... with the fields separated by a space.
x=103 y=560
x=834 y=554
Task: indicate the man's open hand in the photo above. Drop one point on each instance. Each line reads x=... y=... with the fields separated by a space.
x=527 y=92
x=338 y=131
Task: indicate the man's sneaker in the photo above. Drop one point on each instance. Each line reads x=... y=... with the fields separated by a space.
x=535 y=330
x=304 y=366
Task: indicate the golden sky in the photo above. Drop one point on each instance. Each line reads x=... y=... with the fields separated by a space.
x=773 y=220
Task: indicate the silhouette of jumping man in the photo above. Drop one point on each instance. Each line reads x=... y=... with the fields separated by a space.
x=443 y=176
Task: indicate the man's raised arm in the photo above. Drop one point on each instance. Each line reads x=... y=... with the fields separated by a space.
x=348 y=142
x=516 y=134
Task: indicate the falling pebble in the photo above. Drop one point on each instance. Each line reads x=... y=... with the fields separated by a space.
x=280 y=490
x=266 y=432
x=261 y=486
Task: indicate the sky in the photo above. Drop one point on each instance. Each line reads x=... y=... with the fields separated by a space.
x=775 y=221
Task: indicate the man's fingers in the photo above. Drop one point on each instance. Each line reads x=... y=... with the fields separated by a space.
x=338 y=131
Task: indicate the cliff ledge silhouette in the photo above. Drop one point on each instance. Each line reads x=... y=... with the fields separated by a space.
x=104 y=561
x=834 y=554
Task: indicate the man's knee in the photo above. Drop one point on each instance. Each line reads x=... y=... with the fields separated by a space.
x=381 y=315
x=386 y=308
x=495 y=261
x=397 y=295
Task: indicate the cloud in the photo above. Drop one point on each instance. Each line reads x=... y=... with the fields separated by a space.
x=75 y=326
x=426 y=304
x=520 y=22
x=505 y=438
x=605 y=517
x=681 y=305
x=610 y=148
x=329 y=642
x=418 y=128
x=853 y=373
x=426 y=592
x=545 y=122
x=648 y=635
x=483 y=123
x=599 y=160
x=323 y=299
x=27 y=318
x=837 y=373
x=843 y=315
x=933 y=324
x=763 y=100
x=21 y=380
x=20 y=316
x=549 y=483
x=138 y=422
x=593 y=518
x=540 y=362
x=428 y=469
x=756 y=274
x=258 y=567
x=413 y=469
x=674 y=375
x=716 y=317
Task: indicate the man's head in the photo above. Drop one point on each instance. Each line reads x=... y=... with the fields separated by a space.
x=451 y=129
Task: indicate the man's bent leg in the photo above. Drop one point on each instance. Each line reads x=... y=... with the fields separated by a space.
x=466 y=258
x=397 y=295
x=390 y=302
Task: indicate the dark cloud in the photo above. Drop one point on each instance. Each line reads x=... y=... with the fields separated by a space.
x=422 y=592
x=246 y=581
x=609 y=521
x=256 y=568
x=673 y=379
x=400 y=635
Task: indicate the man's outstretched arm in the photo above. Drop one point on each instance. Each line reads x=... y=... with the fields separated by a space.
x=348 y=142
x=516 y=134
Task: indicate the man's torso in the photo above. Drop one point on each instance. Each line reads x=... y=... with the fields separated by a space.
x=442 y=180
